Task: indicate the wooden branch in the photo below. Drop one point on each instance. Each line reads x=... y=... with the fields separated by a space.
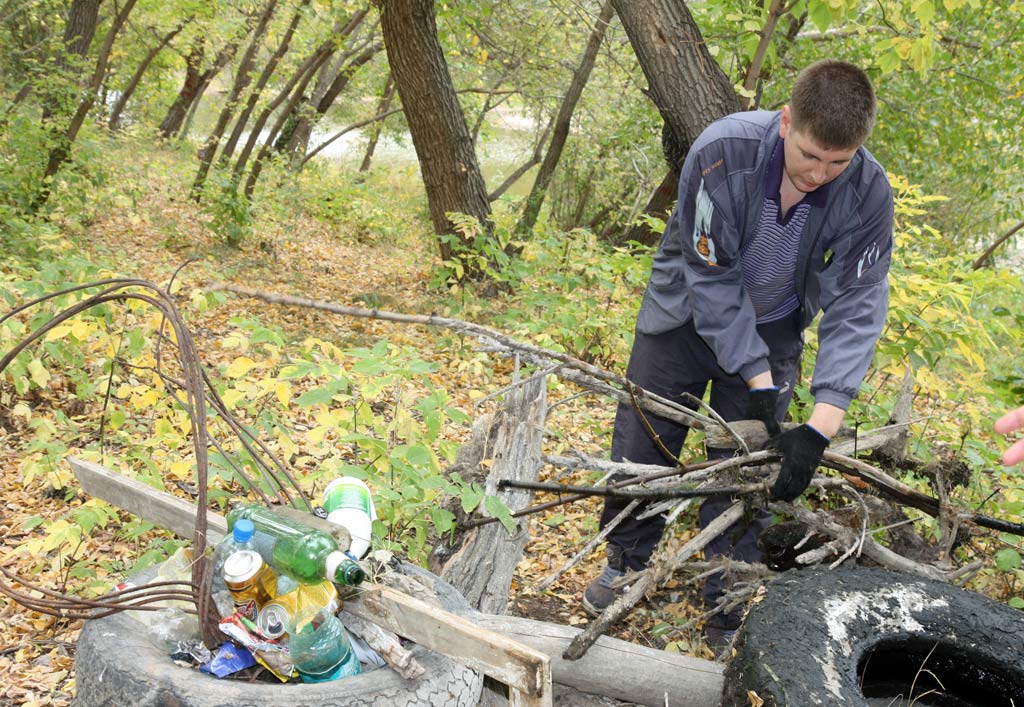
x=648 y=580
x=607 y=382
x=645 y=494
x=589 y=547
x=386 y=643
x=984 y=257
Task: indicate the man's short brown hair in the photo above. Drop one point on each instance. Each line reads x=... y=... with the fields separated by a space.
x=834 y=103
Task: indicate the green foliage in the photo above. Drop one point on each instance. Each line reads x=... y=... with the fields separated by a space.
x=568 y=291
x=231 y=213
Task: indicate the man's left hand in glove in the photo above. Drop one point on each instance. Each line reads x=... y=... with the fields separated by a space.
x=802 y=448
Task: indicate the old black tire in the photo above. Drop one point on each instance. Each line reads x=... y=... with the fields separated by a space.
x=116 y=664
x=860 y=636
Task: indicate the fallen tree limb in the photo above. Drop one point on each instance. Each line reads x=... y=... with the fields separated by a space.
x=649 y=579
x=608 y=383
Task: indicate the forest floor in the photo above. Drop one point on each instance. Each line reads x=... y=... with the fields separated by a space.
x=307 y=259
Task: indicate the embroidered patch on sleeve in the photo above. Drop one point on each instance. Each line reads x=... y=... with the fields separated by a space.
x=702 y=241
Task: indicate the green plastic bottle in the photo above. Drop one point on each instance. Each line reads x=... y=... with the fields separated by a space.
x=307 y=554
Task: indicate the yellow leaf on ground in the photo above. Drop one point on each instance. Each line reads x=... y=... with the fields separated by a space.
x=240 y=366
x=283 y=391
x=755 y=701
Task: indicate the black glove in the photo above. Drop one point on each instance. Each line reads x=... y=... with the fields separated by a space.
x=761 y=406
x=801 y=449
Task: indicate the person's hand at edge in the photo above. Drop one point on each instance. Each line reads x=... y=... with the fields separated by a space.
x=761 y=406
x=1011 y=421
x=801 y=448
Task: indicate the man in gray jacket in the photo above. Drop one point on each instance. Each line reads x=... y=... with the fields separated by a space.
x=781 y=215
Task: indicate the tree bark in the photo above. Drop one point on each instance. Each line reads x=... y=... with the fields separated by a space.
x=114 y=122
x=563 y=122
x=451 y=174
x=261 y=82
x=293 y=140
x=243 y=76
x=386 y=96
x=61 y=152
x=304 y=74
x=688 y=87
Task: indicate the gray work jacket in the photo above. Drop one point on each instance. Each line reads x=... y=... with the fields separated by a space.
x=842 y=267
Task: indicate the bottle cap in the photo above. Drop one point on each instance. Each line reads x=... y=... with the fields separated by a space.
x=243 y=530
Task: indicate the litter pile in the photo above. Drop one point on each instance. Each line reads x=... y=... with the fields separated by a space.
x=275 y=586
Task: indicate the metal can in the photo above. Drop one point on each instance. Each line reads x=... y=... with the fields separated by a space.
x=279 y=616
x=250 y=580
x=273 y=620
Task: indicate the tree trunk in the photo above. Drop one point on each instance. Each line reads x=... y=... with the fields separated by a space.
x=753 y=74
x=294 y=137
x=79 y=30
x=114 y=122
x=261 y=82
x=175 y=115
x=563 y=122
x=688 y=87
x=298 y=141
x=195 y=84
x=61 y=152
x=304 y=74
x=296 y=96
x=243 y=76
x=386 y=96
x=451 y=174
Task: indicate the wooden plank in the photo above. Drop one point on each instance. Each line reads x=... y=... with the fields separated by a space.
x=526 y=671
x=158 y=507
x=517 y=665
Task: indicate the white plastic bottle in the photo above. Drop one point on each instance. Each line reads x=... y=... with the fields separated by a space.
x=349 y=504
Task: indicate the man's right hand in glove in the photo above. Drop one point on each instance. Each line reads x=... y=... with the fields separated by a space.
x=761 y=406
x=802 y=448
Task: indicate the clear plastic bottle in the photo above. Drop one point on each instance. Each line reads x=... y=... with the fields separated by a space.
x=307 y=554
x=240 y=538
x=349 y=504
x=320 y=648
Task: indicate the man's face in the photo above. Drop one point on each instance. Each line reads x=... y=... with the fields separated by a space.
x=808 y=164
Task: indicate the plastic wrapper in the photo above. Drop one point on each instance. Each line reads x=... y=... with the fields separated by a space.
x=228 y=659
x=191 y=653
x=272 y=655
